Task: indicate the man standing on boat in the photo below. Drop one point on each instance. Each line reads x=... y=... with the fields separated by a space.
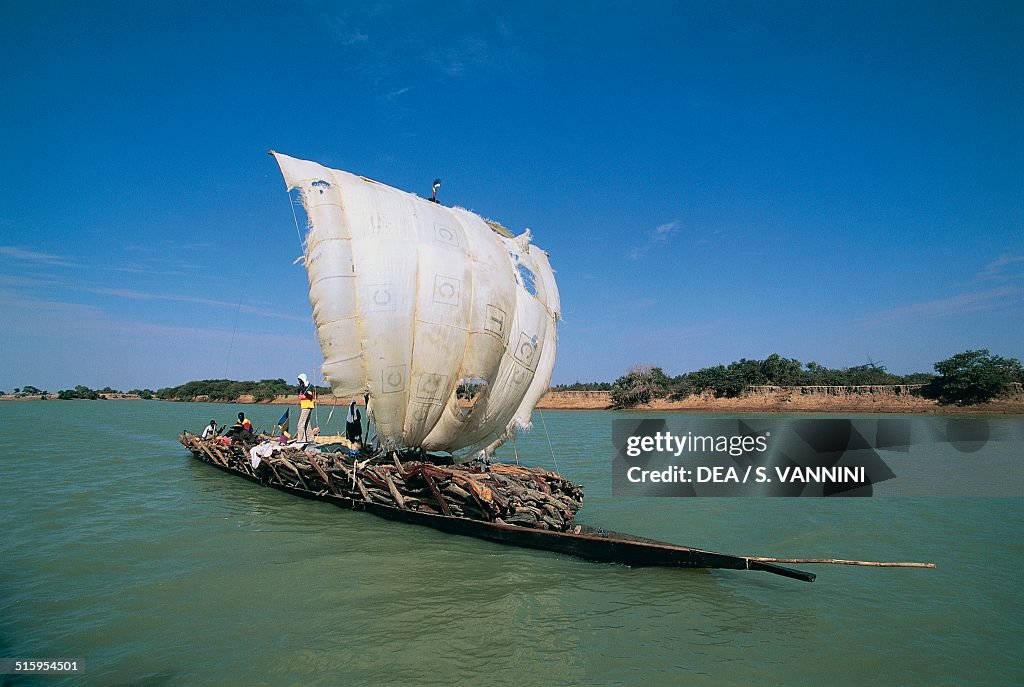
x=307 y=401
x=354 y=424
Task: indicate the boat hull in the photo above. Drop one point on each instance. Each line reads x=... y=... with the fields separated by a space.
x=591 y=543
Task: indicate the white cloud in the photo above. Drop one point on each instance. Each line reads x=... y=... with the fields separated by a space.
x=35 y=256
x=663 y=232
x=1002 y=268
x=339 y=24
x=31 y=282
x=453 y=40
x=960 y=304
x=55 y=344
x=134 y=294
x=398 y=93
x=660 y=235
x=149 y=296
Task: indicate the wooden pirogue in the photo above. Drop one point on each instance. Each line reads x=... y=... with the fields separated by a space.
x=338 y=486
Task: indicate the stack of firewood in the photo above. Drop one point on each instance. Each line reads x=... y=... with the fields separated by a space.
x=509 y=494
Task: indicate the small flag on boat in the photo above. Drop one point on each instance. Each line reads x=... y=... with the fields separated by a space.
x=283 y=422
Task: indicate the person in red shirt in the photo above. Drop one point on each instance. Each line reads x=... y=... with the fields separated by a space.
x=241 y=429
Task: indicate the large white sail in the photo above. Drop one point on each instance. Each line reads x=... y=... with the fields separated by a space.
x=412 y=299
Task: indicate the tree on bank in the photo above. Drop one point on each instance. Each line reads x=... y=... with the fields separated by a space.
x=79 y=392
x=639 y=385
x=973 y=377
x=724 y=381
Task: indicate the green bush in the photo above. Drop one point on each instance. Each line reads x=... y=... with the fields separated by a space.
x=727 y=382
x=973 y=377
x=638 y=386
x=79 y=392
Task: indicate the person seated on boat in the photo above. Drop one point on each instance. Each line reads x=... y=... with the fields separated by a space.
x=242 y=428
x=354 y=424
x=307 y=401
x=211 y=430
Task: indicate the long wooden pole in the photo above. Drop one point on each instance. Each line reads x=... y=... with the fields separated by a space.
x=840 y=561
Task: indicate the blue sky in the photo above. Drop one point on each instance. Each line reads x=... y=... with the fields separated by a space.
x=833 y=182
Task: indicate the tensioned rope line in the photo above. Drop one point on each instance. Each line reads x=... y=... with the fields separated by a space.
x=231 y=346
x=291 y=201
x=548 y=436
x=302 y=246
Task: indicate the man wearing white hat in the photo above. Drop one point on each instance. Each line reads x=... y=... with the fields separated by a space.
x=307 y=401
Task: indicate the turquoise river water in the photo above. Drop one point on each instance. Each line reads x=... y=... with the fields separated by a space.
x=119 y=550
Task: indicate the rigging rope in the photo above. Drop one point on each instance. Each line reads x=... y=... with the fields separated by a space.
x=316 y=393
x=298 y=233
x=329 y=416
x=231 y=346
x=548 y=436
x=291 y=202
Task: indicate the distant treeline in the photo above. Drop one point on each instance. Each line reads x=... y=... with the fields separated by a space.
x=212 y=389
x=583 y=386
x=27 y=391
x=93 y=394
x=229 y=390
x=968 y=377
x=734 y=378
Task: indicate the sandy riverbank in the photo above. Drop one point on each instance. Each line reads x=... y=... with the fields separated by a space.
x=785 y=401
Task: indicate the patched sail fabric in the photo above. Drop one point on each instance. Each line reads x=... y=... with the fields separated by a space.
x=412 y=299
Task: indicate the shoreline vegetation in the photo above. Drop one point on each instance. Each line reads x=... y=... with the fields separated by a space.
x=814 y=399
x=974 y=381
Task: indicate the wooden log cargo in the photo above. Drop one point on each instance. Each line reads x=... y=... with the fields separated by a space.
x=504 y=494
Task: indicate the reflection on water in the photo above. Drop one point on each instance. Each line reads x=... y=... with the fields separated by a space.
x=155 y=569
